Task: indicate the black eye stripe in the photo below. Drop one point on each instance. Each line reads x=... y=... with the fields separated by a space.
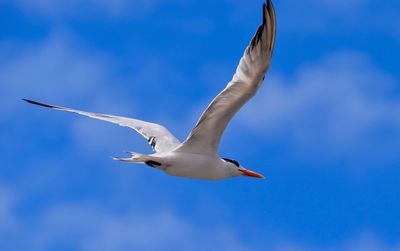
x=232 y=161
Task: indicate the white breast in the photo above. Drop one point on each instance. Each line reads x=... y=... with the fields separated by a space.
x=195 y=166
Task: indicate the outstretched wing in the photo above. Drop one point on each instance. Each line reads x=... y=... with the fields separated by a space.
x=160 y=139
x=249 y=76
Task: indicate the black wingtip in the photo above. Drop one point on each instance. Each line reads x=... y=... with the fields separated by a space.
x=270 y=6
x=38 y=103
x=265 y=7
x=268 y=17
x=257 y=36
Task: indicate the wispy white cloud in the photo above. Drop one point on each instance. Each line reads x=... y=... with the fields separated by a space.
x=337 y=104
x=364 y=241
x=61 y=70
x=328 y=6
x=81 y=8
x=368 y=241
x=6 y=202
x=9 y=224
x=87 y=227
x=58 y=68
x=326 y=17
x=340 y=5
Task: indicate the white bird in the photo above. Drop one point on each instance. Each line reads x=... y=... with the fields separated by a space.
x=197 y=157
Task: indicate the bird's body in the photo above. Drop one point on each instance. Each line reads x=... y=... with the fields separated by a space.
x=183 y=164
x=197 y=157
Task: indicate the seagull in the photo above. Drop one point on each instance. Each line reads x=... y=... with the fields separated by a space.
x=197 y=157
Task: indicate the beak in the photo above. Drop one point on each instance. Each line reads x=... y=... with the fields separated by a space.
x=252 y=174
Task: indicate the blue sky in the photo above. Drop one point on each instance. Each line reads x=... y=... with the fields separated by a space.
x=324 y=129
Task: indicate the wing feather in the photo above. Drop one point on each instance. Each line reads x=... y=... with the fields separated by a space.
x=249 y=75
x=159 y=138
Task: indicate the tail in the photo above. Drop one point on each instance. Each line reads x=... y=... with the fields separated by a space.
x=135 y=157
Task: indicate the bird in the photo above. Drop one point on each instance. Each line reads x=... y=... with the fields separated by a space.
x=197 y=157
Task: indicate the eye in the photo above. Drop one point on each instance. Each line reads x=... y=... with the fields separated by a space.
x=232 y=161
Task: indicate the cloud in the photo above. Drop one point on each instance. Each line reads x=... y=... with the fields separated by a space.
x=91 y=8
x=294 y=17
x=326 y=18
x=329 y=6
x=58 y=68
x=6 y=202
x=9 y=224
x=340 y=5
x=86 y=227
x=364 y=241
x=61 y=70
x=339 y=103
x=333 y=18
x=92 y=229
x=368 y=241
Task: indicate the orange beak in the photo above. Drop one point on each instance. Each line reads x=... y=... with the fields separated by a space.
x=252 y=174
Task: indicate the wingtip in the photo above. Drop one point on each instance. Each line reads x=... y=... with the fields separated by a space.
x=268 y=7
x=265 y=10
x=268 y=11
x=38 y=103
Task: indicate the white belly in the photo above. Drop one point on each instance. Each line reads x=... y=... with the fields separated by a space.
x=193 y=166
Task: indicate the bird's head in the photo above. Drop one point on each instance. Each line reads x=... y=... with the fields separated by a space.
x=235 y=169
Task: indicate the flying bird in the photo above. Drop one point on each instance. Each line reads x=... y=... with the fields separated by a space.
x=197 y=157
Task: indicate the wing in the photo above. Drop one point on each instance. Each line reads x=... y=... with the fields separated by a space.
x=249 y=76
x=160 y=139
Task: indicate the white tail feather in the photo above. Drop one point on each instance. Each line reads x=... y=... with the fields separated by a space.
x=135 y=157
